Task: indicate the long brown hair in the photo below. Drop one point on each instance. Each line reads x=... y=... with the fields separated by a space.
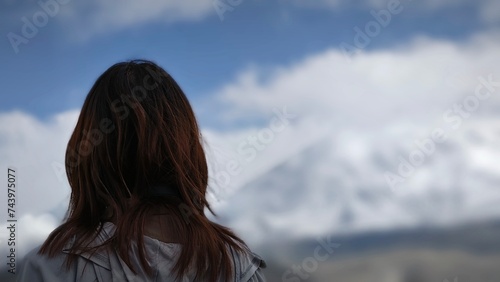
x=137 y=130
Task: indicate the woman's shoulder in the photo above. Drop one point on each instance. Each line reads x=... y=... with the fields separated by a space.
x=38 y=267
x=248 y=265
x=37 y=262
x=32 y=257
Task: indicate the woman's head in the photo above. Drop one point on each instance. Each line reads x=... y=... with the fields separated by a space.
x=136 y=131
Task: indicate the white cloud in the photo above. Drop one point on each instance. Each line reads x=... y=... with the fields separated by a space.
x=254 y=159
x=36 y=149
x=31 y=230
x=375 y=107
x=487 y=12
x=373 y=87
x=98 y=17
x=337 y=185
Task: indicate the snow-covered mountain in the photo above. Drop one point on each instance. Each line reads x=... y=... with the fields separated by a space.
x=337 y=184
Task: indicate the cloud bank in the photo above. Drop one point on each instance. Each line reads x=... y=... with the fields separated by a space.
x=320 y=170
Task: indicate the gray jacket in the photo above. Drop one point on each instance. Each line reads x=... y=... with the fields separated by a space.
x=104 y=266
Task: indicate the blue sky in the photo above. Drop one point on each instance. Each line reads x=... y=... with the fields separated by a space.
x=351 y=119
x=55 y=69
